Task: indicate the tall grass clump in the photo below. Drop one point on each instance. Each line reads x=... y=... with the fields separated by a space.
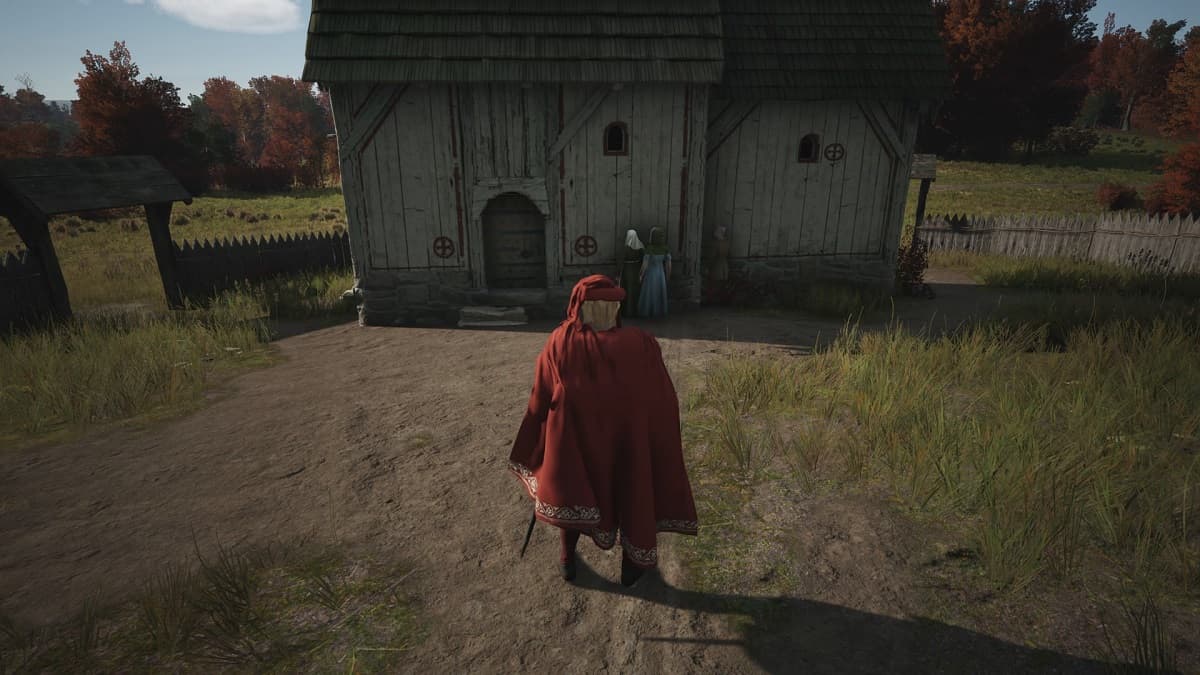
x=304 y=296
x=1089 y=448
x=103 y=368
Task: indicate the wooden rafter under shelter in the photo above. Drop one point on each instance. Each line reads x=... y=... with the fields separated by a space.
x=33 y=190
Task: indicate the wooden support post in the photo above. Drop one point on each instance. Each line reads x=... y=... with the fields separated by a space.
x=921 y=206
x=35 y=232
x=159 y=218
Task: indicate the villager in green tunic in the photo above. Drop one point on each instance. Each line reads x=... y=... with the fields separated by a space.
x=631 y=269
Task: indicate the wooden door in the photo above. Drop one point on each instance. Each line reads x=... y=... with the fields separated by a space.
x=514 y=243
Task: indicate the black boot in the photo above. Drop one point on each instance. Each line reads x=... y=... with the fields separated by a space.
x=630 y=573
x=568 y=540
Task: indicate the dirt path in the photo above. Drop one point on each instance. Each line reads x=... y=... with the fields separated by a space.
x=396 y=439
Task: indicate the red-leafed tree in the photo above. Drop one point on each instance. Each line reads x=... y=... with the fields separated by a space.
x=240 y=111
x=1183 y=90
x=279 y=127
x=1178 y=191
x=1135 y=65
x=1017 y=69
x=294 y=124
x=118 y=114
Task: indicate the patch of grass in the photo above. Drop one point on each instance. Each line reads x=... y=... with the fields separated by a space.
x=286 y=610
x=1052 y=455
x=101 y=369
x=1068 y=275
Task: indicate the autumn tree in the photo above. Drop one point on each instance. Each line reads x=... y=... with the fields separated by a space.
x=29 y=127
x=277 y=125
x=1183 y=90
x=119 y=114
x=1134 y=65
x=295 y=127
x=1018 y=69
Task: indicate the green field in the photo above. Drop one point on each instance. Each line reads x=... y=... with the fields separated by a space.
x=1046 y=185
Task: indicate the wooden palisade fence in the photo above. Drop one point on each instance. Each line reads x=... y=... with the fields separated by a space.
x=1111 y=237
x=204 y=269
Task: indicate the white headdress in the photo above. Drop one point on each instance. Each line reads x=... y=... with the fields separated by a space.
x=632 y=241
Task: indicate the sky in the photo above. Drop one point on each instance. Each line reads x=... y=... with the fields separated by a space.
x=188 y=41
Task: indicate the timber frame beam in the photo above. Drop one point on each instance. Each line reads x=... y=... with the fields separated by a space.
x=727 y=122
x=577 y=120
x=368 y=119
x=879 y=122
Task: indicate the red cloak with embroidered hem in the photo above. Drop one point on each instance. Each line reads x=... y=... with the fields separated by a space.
x=599 y=449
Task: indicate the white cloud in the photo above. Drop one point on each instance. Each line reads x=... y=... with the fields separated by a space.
x=238 y=16
x=135 y=2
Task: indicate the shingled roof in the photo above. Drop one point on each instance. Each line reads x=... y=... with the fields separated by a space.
x=832 y=49
x=514 y=41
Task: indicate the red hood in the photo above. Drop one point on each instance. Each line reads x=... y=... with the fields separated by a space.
x=595 y=287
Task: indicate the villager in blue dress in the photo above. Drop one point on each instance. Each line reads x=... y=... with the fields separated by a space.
x=656 y=270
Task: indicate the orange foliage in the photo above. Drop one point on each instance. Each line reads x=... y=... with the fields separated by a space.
x=1179 y=189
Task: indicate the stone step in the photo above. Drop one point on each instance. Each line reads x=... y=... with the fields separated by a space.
x=509 y=297
x=481 y=316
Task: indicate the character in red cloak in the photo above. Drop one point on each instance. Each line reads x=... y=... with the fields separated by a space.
x=599 y=450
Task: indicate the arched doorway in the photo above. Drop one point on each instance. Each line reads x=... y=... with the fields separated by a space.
x=514 y=243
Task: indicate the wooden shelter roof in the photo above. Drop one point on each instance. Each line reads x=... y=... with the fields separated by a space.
x=832 y=49
x=46 y=187
x=514 y=41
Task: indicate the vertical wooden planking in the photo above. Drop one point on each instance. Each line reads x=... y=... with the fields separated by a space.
x=743 y=197
x=671 y=151
x=341 y=98
x=481 y=114
x=883 y=198
x=578 y=181
x=514 y=104
x=412 y=126
x=626 y=174
x=380 y=223
x=817 y=185
x=500 y=139
x=850 y=187
x=836 y=173
x=798 y=178
x=767 y=149
x=697 y=168
x=536 y=112
x=643 y=135
x=605 y=171
x=866 y=218
x=712 y=193
x=444 y=219
x=906 y=131
x=783 y=154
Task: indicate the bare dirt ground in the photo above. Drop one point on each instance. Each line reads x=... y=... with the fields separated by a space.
x=396 y=440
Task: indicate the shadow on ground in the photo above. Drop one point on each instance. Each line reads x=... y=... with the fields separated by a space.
x=954 y=303
x=792 y=635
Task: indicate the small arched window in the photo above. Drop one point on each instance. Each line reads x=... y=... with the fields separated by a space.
x=616 y=139
x=810 y=149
